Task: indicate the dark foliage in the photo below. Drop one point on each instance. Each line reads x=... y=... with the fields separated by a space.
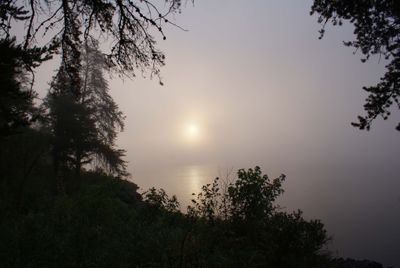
x=351 y=263
x=66 y=24
x=106 y=223
x=242 y=216
x=83 y=119
x=90 y=218
x=377 y=31
x=24 y=166
x=16 y=97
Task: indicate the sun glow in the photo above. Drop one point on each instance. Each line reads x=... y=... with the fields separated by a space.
x=192 y=132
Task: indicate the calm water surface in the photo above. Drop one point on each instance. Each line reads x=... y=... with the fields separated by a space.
x=362 y=215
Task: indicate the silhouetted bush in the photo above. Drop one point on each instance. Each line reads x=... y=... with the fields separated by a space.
x=243 y=218
x=106 y=223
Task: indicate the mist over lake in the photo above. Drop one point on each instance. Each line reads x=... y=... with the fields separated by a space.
x=237 y=87
x=244 y=85
x=362 y=221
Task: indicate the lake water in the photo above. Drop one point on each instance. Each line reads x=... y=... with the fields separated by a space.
x=362 y=215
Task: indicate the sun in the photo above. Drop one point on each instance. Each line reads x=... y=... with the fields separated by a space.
x=192 y=132
x=193 y=129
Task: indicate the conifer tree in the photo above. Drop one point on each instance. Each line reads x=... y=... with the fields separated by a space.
x=16 y=98
x=83 y=118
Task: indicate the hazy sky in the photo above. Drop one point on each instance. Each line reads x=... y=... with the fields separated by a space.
x=250 y=84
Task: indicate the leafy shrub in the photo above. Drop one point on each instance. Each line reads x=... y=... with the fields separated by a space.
x=107 y=223
x=245 y=219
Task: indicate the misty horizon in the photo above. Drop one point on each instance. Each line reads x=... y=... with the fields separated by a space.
x=251 y=85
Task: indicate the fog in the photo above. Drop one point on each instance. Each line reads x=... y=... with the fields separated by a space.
x=260 y=88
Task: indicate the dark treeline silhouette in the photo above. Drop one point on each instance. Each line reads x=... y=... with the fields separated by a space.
x=66 y=24
x=82 y=117
x=64 y=197
x=351 y=263
x=16 y=95
x=107 y=223
x=377 y=30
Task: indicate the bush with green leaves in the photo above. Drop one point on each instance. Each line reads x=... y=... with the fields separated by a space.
x=245 y=219
x=251 y=196
x=105 y=222
x=159 y=199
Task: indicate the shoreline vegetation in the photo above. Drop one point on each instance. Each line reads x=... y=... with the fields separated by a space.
x=99 y=220
x=64 y=197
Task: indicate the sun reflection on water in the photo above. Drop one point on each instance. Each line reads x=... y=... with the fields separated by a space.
x=195 y=179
